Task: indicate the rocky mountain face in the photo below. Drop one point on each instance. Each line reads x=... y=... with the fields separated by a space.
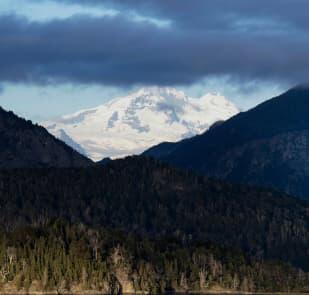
x=23 y=144
x=129 y=125
x=267 y=146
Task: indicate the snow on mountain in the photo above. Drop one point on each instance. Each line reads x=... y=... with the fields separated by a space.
x=129 y=125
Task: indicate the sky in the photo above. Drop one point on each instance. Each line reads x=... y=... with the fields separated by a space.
x=60 y=56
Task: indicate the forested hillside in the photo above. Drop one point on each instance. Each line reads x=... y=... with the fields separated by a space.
x=65 y=258
x=145 y=197
x=23 y=144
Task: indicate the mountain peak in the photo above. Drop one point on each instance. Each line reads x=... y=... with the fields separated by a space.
x=131 y=124
x=302 y=86
x=159 y=91
x=302 y=89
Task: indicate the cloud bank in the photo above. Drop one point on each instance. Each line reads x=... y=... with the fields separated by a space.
x=249 y=40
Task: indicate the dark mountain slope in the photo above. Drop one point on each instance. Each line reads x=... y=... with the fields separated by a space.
x=23 y=144
x=145 y=197
x=268 y=146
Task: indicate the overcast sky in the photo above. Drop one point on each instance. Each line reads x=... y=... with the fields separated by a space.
x=58 y=56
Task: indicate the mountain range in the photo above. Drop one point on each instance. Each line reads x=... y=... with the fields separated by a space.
x=266 y=146
x=131 y=124
x=139 y=225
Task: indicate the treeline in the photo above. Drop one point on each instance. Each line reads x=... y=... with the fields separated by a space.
x=67 y=258
x=145 y=197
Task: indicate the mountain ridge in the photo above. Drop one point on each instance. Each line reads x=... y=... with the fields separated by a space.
x=23 y=144
x=264 y=146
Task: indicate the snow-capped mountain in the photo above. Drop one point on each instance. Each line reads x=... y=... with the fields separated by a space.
x=131 y=124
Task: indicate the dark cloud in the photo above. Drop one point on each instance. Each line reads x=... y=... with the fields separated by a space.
x=200 y=14
x=242 y=39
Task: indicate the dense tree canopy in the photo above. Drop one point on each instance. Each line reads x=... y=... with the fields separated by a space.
x=62 y=257
x=146 y=197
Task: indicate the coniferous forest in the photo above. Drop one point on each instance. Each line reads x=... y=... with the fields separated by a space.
x=62 y=257
x=138 y=225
